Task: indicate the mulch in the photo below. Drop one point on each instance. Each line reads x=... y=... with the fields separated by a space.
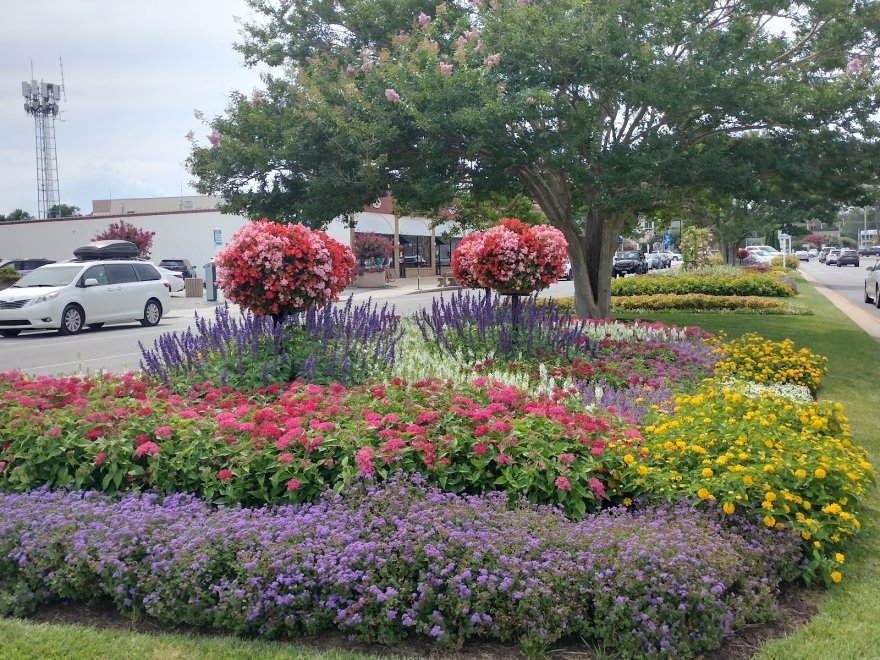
x=797 y=605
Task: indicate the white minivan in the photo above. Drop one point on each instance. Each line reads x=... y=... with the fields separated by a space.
x=68 y=296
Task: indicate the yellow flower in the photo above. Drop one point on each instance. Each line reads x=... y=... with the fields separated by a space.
x=770 y=497
x=839 y=558
x=707 y=472
x=820 y=473
x=800 y=473
x=729 y=508
x=806 y=536
x=629 y=459
x=836 y=577
x=747 y=480
x=770 y=521
x=703 y=494
x=627 y=501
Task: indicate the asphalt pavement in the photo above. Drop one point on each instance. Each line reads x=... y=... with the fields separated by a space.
x=864 y=316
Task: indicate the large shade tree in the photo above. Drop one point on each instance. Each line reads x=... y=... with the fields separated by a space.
x=598 y=110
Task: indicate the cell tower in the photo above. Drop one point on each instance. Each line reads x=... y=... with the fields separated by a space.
x=41 y=100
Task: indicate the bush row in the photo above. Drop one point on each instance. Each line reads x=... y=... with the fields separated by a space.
x=700 y=302
x=382 y=562
x=746 y=284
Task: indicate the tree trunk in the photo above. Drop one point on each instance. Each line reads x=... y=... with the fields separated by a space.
x=591 y=247
x=728 y=251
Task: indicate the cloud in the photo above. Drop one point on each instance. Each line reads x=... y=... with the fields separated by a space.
x=134 y=75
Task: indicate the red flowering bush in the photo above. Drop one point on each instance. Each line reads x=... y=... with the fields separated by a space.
x=371 y=246
x=511 y=257
x=125 y=231
x=275 y=269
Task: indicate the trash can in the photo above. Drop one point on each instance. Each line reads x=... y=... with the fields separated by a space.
x=194 y=287
x=210 y=281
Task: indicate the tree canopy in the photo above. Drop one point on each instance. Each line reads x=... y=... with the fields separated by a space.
x=16 y=214
x=599 y=111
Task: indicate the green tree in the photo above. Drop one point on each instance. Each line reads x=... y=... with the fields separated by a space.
x=17 y=214
x=63 y=211
x=599 y=111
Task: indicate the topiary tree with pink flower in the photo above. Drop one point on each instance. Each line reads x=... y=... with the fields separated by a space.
x=276 y=270
x=512 y=257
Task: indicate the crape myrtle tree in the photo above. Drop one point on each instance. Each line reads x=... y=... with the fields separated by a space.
x=598 y=111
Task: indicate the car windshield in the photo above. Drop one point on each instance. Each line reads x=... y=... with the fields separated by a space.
x=58 y=276
x=628 y=255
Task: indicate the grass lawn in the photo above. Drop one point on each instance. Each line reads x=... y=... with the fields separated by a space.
x=848 y=623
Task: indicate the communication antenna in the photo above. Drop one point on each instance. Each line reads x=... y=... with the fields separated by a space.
x=41 y=100
x=63 y=86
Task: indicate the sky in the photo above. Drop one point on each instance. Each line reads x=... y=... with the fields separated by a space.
x=134 y=73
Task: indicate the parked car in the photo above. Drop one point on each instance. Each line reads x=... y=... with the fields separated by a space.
x=25 y=266
x=766 y=248
x=174 y=278
x=68 y=296
x=675 y=256
x=848 y=257
x=872 y=251
x=813 y=252
x=831 y=257
x=802 y=255
x=757 y=256
x=823 y=254
x=566 y=272
x=872 y=285
x=630 y=261
x=655 y=261
x=183 y=266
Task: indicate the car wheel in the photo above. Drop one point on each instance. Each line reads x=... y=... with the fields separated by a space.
x=96 y=326
x=877 y=297
x=9 y=333
x=152 y=313
x=71 y=320
x=867 y=297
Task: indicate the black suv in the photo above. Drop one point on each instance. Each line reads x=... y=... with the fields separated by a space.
x=631 y=261
x=182 y=266
x=24 y=266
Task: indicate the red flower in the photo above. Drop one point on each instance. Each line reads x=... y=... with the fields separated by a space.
x=224 y=474
x=598 y=488
x=504 y=459
x=150 y=448
x=563 y=484
x=293 y=484
x=100 y=458
x=480 y=449
x=163 y=432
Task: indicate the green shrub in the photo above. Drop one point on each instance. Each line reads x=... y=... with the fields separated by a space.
x=700 y=302
x=746 y=284
x=9 y=275
x=788 y=262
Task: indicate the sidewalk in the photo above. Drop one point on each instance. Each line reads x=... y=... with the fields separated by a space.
x=400 y=287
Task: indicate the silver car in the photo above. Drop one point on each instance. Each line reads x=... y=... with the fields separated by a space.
x=68 y=296
x=872 y=285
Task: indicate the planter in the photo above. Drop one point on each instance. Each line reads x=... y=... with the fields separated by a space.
x=371 y=280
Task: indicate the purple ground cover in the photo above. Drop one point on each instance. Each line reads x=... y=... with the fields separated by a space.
x=383 y=562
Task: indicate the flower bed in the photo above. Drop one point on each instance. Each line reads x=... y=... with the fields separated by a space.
x=698 y=302
x=386 y=561
x=694 y=498
x=747 y=284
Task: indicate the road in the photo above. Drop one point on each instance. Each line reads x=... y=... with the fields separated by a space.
x=847 y=281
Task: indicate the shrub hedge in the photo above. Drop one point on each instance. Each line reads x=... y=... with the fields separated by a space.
x=747 y=284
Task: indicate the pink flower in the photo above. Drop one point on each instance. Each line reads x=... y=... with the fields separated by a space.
x=54 y=432
x=148 y=447
x=424 y=19
x=504 y=459
x=163 y=432
x=530 y=100
x=493 y=60
x=598 y=488
x=100 y=458
x=2 y=465
x=214 y=137
x=480 y=449
x=224 y=474
x=446 y=69
x=854 y=66
x=563 y=484
x=285 y=458
x=364 y=460
x=392 y=95
x=293 y=484
x=567 y=459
